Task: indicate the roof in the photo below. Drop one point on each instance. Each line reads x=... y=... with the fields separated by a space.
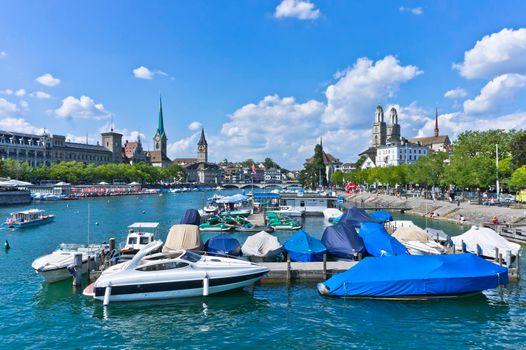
x=86 y=146
x=202 y=165
x=13 y=133
x=327 y=159
x=129 y=149
x=370 y=152
x=160 y=122
x=202 y=140
x=430 y=140
x=139 y=225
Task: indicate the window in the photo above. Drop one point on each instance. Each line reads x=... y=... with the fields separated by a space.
x=132 y=240
x=144 y=240
x=164 y=266
x=302 y=203
x=192 y=257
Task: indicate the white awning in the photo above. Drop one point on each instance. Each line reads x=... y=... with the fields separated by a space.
x=138 y=225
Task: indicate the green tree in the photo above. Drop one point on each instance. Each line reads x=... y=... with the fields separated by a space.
x=313 y=173
x=518 y=178
x=518 y=152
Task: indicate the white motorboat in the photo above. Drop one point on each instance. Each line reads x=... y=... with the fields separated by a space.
x=54 y=267
x=332 y=213
x=287 y=210
x=140 y=234
x=172 y=275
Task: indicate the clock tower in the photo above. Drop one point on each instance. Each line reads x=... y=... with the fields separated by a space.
x=202 y=149
x=158 y=155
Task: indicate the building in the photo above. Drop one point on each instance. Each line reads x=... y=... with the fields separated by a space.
x=330 y=162
x=273 y=175
x=202 y=171
x=158 y=156
x=435 y=143
x=347 y=167
x=393 y=128
x=399 y=153
x=379 y=128
x=134 y=153
x=202 y=148
x=184 y=161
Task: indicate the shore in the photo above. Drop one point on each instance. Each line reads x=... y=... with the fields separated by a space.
x=473 y=214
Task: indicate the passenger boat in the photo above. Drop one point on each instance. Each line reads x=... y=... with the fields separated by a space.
x=287 y=210
x=416 y=277
x=26 y=218
x=54 y=267
x=140 y=234
x=172 y=275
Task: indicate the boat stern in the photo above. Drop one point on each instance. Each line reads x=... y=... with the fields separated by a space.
x=89 y=291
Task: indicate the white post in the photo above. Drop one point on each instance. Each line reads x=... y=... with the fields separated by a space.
x=77 y=264
x=107 y=294
x=497 y=171
x=205 y=285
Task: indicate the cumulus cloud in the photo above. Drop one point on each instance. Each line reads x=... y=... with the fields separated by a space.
x=40 y=95
x=300 y=9
x=83 y=107
x=7 y=92
x=183 y=147
x=495 y=54
x=417 y=11
x=3 y=54
x=19 y=125
x=497 y=92
x=361 y=87
x=7 y=109
x=195 y=125
x=456 y=93
x=48 y=80
x=143 y=73
x=24 y=105
x=20 y=92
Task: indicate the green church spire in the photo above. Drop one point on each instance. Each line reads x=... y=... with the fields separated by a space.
x=160 y=124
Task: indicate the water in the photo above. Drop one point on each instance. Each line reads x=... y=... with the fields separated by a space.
x=36 y=315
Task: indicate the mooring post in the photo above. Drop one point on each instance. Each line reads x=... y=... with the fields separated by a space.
x=77 y=266
x=463 y=246
x=500 y=259
x=479 y=250
x=454 y=249
x=288 y=268
x=496 y=254
x=206 y=283
x=324 y=266
x=508 y=258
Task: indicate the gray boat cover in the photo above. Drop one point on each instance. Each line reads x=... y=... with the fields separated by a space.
x=183 y=237
x=262 y=244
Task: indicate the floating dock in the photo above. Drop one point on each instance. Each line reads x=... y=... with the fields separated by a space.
x=306 y=271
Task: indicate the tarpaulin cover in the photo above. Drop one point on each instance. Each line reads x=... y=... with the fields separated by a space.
x=378 y=242
x=237 y=198
x=262 y=244
x=355 y=217
x=487 y=239
x=415 y=233
x=381 y=216
x=417 y=275
x=343 y=241
x=223 y=243
x=191 y=217
x=183 y=237
x=303 y=247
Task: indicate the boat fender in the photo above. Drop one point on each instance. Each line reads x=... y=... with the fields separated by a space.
x=107 y=293
x=205 y=285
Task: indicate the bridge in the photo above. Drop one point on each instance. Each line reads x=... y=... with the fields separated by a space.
x=267 y=186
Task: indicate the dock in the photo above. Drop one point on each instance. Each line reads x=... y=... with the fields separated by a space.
x=306 y=271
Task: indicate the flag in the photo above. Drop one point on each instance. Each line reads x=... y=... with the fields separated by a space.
x=253 y=168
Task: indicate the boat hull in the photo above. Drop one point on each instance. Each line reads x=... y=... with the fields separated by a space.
x=60 y=274
x=30 y=223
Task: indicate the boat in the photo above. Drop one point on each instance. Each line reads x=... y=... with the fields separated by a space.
x=355 y=217
x=303 y=247
x=285 y=225
x=262 y=246
x=191 y=217
x=140 y=234
x=174 y=274
x=331 y=213
x=185 y=237
x=287 y=210
x=438 y=235
x=253 y=228
x=54 y=267
x=489 y=242
x=381 y=216
x=223 y=244
x=245 y=212
x=416 y=277
x=342 y=241
x=26 y=218
x=204 y=227
x=378 y=242
x=417 y=241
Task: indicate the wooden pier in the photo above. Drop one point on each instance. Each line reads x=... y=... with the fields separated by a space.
x=306 y=271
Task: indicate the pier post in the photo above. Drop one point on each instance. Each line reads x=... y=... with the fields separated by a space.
x=77 y=268
x=500 y=259
x=206 y=284
x=479 y=250
x=463 y=246
x=454 y=249
x=496 y=254
x=288 y=268
x=324 y=266
x=508 y=258
x=112 y=244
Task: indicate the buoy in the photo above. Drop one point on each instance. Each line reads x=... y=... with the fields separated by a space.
x=144 y=211
x=205 y=285
x=97 y=223
x=6 y=245
x=107 y=294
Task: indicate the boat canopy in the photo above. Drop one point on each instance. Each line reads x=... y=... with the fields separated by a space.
x=223 y=243
x=237 y=198
x=382 y=216
x=378 y=242
x=183 y=237
x=406 y=234
x=355 y=217
x=259 y=195
x=141 y=225
x=191 y=217
x=14 y=183
x=303 y=247
x=417 y=275
x=487 y=239
x=261 y=244
x=343 y=241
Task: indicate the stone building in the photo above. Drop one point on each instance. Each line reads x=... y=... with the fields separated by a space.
x=202 y=171
x=398 y=153
x=435 y=143
x=134 y=153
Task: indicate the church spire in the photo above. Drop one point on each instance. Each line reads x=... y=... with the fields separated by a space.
x=160 y=123
x=321 y=142
x=436 y=123
x=202 y=140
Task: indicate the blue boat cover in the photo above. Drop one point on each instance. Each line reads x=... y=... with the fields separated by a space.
x=343 y=241
x=191 y=217
x=264 y=195
x=303 y=247
x=418 y=275
x=378 y=242
x=355 y=217
x=382 y=216
x=237 y=198
x=223 y=244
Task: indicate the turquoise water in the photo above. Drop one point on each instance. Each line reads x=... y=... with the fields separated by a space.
x=37 y=315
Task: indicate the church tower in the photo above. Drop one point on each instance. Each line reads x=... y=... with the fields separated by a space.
x=158 y=155
x=202 y=148
x=393 y=128
x=437 y=131
x=379 y=128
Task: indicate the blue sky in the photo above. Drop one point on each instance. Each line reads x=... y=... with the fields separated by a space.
x=265 y=77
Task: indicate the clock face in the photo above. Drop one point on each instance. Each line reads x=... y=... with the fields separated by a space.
x=157 y=138
x=201 y=148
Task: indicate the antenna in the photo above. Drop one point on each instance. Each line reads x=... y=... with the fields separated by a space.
x=111 y=123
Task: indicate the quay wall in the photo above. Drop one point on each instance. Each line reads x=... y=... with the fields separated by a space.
x=15 y=197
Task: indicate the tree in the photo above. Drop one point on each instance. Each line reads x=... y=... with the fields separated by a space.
x=518 y=152
x=337 y=177
x=518 y=178
x=313 y=173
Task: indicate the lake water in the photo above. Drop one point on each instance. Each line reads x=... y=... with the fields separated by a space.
x=38 y=315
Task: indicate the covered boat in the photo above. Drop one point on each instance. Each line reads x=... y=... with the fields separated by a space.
x=488 y=240
x=355 y=217
x=223 y=244
x=331 y=214
x=343 y=241
x=417 y=241
x=382 y=216
x=262 y=245
x=303 y=247
x=183 y=237
x=378 y=242
x=416 y=277
x=437 y=235
x=191 y=217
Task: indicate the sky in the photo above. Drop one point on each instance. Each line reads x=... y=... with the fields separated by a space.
x=265 y=78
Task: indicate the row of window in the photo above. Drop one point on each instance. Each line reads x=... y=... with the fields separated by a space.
x=402 y=150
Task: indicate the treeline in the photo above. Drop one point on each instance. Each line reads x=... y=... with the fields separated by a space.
x=471 y=164
x=79 y=173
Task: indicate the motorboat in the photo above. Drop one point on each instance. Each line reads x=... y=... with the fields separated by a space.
x=262 y=246
x=140 y=234
x=414 y=277
x=331 y=213
x=417 y=241
x=54 y=267
x=303 y=247
x=27 y=218
x=174 y=274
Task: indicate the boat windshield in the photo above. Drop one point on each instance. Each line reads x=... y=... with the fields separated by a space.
x=192 y=257
x=163 y=266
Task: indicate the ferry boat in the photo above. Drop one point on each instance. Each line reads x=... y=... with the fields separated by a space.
x=26 y=218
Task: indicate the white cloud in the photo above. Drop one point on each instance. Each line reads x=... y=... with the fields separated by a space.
x=495 y=54
x=300 y=9
x=40 y=95
x=7 y=109
x=3 y=54
x=193 y=126
x=497 y=92
x=183 y=147
x=7 y=92
x=82 y=139
x=48 y=80
x=143 y=73
x=83 y=107
x=19 y=125
x=352 y=99
x=130 y=135
x=456 y=93
x=20 y=92
x=417 y=11
x=24 y=105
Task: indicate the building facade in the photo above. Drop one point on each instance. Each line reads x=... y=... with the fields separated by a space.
x=379 y=128
x=202 y=171
x=435 y=143
x=273 y=175
x=399 y=153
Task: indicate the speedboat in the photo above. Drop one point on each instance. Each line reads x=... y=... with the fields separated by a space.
x=140 y=234
x=262 y=246
x=54 y=267
x=172 y=275
x=417 y=241
x=26 y=218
